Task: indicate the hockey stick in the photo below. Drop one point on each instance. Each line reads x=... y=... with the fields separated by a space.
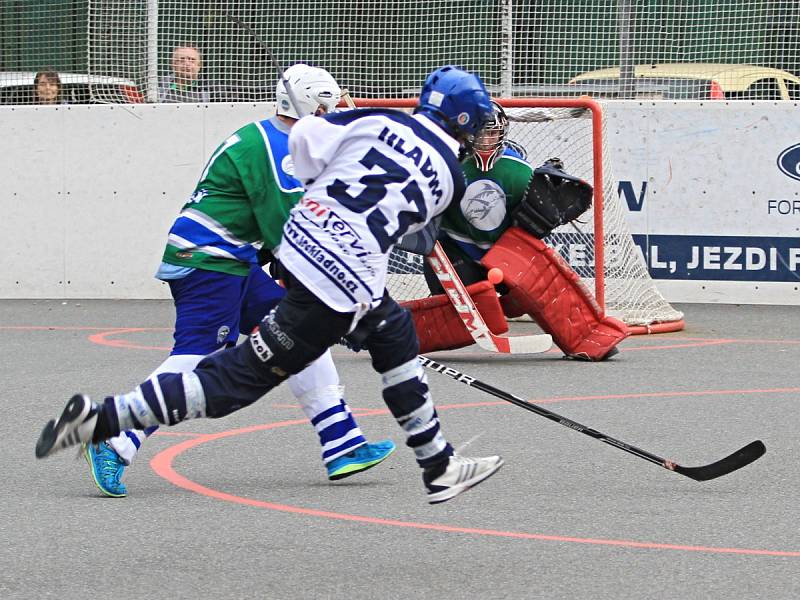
x=348 y=99
x=263 y=45
x=472 y=319
x=737 y=460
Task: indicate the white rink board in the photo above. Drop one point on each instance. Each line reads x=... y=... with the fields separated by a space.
x=717 y=216
x=89 y=193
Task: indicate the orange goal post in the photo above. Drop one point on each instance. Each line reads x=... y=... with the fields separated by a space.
x=599 y=246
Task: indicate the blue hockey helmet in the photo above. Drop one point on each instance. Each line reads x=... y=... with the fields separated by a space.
x=457 y=101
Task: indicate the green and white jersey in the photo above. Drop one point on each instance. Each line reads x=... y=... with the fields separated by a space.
x=240 y=204
x=483 y=214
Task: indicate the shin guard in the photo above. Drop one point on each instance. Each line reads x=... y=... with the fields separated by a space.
x=405 y=390
x=438 y=325
x=543 y=285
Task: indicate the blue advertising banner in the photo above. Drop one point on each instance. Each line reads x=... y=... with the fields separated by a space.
x=731 y=258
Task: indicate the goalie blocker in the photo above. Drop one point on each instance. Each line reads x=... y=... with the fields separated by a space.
x=542 y=285
x=552 y=198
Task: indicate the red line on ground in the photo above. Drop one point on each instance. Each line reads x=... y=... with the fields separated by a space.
x=676 y=393
x=103 y=339
x=700 y=343
x=162 y=464
x=686 y=344
x=50 y=328
x=105 y=333
x=355 y=409
x=671 y=394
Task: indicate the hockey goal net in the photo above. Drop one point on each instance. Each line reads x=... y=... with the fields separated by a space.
x=599 y=247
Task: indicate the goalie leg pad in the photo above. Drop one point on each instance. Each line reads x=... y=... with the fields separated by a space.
x=438 y=325
x=543 y=285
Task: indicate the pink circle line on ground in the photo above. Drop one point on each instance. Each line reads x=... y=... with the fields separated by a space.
x=104 y=338
x=162 y=464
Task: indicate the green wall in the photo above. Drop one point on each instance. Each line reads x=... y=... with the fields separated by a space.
x=35 y=34
x=382 y=48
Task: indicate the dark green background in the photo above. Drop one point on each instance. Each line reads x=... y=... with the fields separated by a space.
x=386 y=50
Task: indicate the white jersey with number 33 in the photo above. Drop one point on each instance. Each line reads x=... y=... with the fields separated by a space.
x=371 y=176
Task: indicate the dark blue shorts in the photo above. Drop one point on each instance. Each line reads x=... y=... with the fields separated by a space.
x=211 y=308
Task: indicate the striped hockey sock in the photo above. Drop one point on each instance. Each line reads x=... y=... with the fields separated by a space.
x=405 y=390
x=165 y=399
x=331 y=417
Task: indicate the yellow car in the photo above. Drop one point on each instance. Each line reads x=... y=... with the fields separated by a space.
x=711 y=81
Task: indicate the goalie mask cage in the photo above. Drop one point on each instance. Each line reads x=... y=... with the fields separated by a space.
x=599 y=246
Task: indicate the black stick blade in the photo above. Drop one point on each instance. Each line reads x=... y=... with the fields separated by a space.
x=737 y=460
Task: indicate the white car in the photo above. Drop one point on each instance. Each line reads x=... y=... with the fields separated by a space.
x=16 y=87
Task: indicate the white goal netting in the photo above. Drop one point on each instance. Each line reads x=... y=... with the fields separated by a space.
x=381 y=48
x=625 y=287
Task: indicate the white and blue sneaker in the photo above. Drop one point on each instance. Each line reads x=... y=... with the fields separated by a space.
x=459 y=474
x=107 y=468
x=75 y=426
x=362 y=458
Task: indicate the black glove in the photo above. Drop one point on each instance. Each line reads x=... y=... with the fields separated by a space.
x=552 y=198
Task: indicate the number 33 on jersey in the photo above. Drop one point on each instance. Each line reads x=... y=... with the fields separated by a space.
x=371 y=176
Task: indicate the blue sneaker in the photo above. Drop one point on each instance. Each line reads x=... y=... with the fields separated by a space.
x=362 y=458
x=107 y=468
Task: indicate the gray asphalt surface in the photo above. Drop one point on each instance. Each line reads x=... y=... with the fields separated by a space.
x=250 y=514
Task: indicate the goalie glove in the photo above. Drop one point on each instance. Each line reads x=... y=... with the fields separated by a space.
x=552 y=198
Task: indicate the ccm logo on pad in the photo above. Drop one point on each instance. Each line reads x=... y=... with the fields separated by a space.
x=789 y=161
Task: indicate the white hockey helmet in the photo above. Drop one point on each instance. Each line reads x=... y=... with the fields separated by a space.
x=311 y=87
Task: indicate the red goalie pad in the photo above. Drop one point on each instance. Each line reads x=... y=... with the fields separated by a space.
x=543 y=285
x=440 y=328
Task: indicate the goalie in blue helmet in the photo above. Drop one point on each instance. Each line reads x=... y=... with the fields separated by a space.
x=458 y=102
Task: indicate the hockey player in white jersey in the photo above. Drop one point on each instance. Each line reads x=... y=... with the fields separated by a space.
x=241 y=203
x=371 y=176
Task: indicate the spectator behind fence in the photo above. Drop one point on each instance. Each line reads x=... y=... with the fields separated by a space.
x=184 y=84
x=46 y=88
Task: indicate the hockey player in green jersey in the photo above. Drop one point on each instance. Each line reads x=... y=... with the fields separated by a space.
x=237 y=210
x=507 y=209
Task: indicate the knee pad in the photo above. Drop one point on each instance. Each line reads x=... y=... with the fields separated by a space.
x=238 y=377
x=392 y=339
x=405 y=391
